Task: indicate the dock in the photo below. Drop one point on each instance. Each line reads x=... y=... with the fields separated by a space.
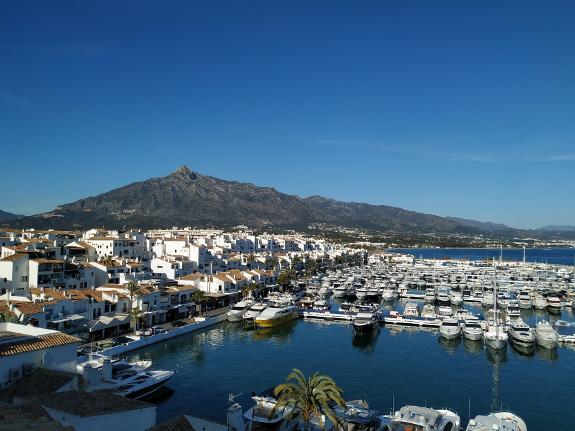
x=327 y=315
x=421 y=323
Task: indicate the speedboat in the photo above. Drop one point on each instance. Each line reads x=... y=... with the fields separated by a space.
x=361 y=292
x=364 y=322
x=276 y=315
x=357 y=415
x=264 y=415
x=254 y=311
x=503 y=421
x=524 y=300
x=472 y=329
x=449 y=328
x=236 y=314
x=411 y=310
x=421 y=419
x=554 y=305
x=443 y=296
x=545 y=335
x=521 y=333
x=428 y=312
x=143 y=384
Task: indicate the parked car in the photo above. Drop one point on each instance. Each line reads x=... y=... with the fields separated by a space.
x=122 y=340
x=144 y=332
x=178 y=323
x=158 y=329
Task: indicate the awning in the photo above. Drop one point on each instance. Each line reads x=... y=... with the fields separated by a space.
x=104 y=322
x=69 y=318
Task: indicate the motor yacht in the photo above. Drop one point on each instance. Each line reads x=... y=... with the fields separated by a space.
x=545 y=335
x=262 y=415
x=443 y=295
x=364 y=322
x=339 y=291
x=421 y=419
x=521 y=333
x=472 y=329
x=388 y=294
x=361 y=292
x=236 y=314
x=254 y=311
x=540 y=303
x=428 y=312
x=553 y=305
x=524 y=300
x=502 y=421
x=513 y=311
x=411 y=310
x=456 y=298
x=487 y=299
x=275 y=315
x=449 y=328
x=429 y=297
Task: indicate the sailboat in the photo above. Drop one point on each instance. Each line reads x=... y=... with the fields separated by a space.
x=495 y=337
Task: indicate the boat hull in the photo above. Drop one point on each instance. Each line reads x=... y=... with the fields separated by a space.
x=270 y=323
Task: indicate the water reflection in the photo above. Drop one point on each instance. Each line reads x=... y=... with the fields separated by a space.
x=547 y=354
x=450 y=346
x=494 y=356
x=279 y=334
x=365 y=342
x=523 y=350
x=473 y=347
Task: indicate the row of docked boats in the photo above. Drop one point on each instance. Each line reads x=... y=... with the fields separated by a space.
x=265 y=414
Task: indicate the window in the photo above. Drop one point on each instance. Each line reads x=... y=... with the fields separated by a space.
x=23 y=278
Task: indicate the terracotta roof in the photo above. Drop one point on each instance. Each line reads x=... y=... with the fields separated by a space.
x=14 y=257
x=37 y=343
x=195 y=276
x=86 y=404
x=42 y=260
x=43 y=381
x=27 y=308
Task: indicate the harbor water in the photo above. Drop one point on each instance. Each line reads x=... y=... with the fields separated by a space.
x=393 y=366
x=556 y=256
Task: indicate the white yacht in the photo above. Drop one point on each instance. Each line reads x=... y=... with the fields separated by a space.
x=388 y=294
x=472 y=329
x=495 y=337
x=429 y=297
x=521 y=333
x=361 y=292
x=487 y=299
x=456 y=298
x=421 y=419
x=502 y=421
x=254 y=311
x=513 y=311
x=540 y=303
x=428 y=312
x=524 y=300
x=554 y=305
x=545 y=335
x=339 y=291
x=263 y=417
x=364 y=322
x=236 y=314
x=449 y=328
x=443 y=296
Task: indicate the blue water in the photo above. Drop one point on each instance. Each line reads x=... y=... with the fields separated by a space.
x=558 y=256
x=414 y=366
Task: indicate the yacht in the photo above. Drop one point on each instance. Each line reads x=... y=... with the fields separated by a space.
x=487 y=299
x=545 y=335
x=429 y=297
x=361 y=292
x=388 y=294
x=364 y=322
x=124 y=379
x=411 y=310
x=339 y=291
x=503 y=421
x=456 y=298
x=521 y=333
x=513 y=312
x=254 y=311
x=554 y=305
x=275 y=315
x=421 y=419
x=524 y=300
x=449 y=328
x=495 y=337
x=236 y=314
x=443 y=296
x=540 y=303
x=265 y=416
x=428 y=312
x=472 y=329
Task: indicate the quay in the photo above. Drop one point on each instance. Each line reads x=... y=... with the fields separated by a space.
x=327 y=315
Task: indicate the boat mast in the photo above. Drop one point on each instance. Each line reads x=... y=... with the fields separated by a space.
x=495 y=298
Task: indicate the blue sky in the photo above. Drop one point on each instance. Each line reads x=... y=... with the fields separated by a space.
x=452 y=108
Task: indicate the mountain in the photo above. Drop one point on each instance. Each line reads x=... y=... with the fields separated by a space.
x=484 y=226
x=557 y=228
x=5 y=216
x=187 y=198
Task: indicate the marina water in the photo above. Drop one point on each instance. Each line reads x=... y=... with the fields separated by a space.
x=405 y=365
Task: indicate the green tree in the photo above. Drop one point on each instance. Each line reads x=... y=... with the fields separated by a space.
x=309 y=398
x=198 y=296
x=286 y=277
x=248 y=288
x=134 y=290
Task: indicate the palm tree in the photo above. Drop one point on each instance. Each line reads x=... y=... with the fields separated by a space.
x=135 y=313
x=198 y=296
x=309 y=398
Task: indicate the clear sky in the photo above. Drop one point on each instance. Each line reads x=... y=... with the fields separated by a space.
x=453 y=108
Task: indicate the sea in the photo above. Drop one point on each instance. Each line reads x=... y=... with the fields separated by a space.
x=556 y=256
x=390 y=368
